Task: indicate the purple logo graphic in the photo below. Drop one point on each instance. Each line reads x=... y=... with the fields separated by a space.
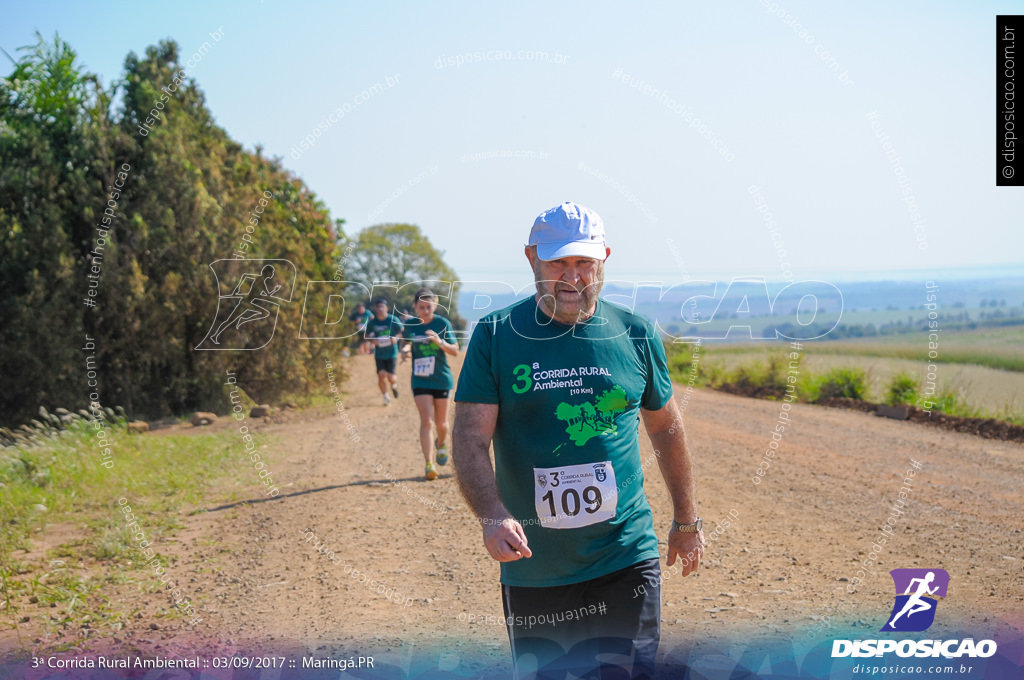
x=917 y=593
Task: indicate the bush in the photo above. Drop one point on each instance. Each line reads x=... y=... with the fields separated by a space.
x=902 y=390
x=681 y=356
x=770 y=375
x=953 y=403
x=851 y=383
x=749 y=374
x=710 y=373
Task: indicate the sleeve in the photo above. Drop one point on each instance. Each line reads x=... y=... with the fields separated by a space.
x=397 y=325
x=476 y=380
x=658 y=390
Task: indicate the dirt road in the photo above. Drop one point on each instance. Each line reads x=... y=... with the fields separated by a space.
x=785 y=561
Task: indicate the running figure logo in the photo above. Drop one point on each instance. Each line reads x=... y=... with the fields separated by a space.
x=914 y=609
x=247 y=316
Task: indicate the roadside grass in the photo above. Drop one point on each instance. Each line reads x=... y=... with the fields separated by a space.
x=769 y=372
x=903 y=390
x=847 y=383
x=60 y=481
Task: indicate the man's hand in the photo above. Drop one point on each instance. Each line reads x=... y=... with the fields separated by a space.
x=435 y=338
x=506 y=540
x=687 y=547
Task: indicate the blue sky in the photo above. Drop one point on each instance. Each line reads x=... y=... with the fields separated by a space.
x=673 y=205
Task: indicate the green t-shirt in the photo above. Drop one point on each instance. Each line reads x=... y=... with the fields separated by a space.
x=379 y=331
x=430 y=368
x=566 y=440
x=360 y=319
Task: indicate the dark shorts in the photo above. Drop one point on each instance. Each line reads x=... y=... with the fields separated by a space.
x=565 y=629
x=385 y=365
x=429 y=391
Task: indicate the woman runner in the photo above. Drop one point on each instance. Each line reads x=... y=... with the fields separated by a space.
x=431 y=375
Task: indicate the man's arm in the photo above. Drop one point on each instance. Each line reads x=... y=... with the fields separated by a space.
x=504 y=537
x=665 y=428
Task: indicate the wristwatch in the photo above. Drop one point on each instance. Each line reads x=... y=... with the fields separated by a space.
x=686 y=528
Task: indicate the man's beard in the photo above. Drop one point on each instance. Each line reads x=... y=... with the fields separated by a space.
x=566 y=308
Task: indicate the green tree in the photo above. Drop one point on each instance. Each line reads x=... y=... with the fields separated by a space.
x=401 y=253
x=183 y=204
x=569 y=413
x=57 y=154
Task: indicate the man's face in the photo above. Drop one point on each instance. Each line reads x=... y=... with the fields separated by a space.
x=381 y=309
x=568 y=287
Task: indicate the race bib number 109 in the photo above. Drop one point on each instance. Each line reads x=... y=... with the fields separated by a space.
x=575 y=496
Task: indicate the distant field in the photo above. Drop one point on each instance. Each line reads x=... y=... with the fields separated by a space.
x=993 y=347
x=1001 y=348
x=722 y=322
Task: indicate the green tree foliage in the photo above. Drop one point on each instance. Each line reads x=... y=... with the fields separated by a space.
x=55 y=150
x=570 y=413
x=185 y=203
x=401 y=253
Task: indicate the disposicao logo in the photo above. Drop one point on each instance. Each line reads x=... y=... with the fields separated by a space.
x=917 y=593
x=254 y=303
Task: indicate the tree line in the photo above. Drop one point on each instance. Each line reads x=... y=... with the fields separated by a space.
x=107 y=236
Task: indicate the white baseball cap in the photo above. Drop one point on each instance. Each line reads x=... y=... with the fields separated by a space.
x=570 y=230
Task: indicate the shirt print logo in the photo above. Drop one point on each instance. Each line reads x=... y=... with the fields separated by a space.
x=592 y=418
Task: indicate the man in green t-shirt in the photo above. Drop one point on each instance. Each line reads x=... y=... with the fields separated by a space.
x=384 y=330
x=559 y=383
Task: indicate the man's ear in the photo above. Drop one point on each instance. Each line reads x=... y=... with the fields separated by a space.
x=530 y=254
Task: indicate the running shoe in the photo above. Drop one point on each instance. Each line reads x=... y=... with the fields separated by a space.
x=442 y=453
x=387 y=399
x=394 y=391
x=431 y=473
